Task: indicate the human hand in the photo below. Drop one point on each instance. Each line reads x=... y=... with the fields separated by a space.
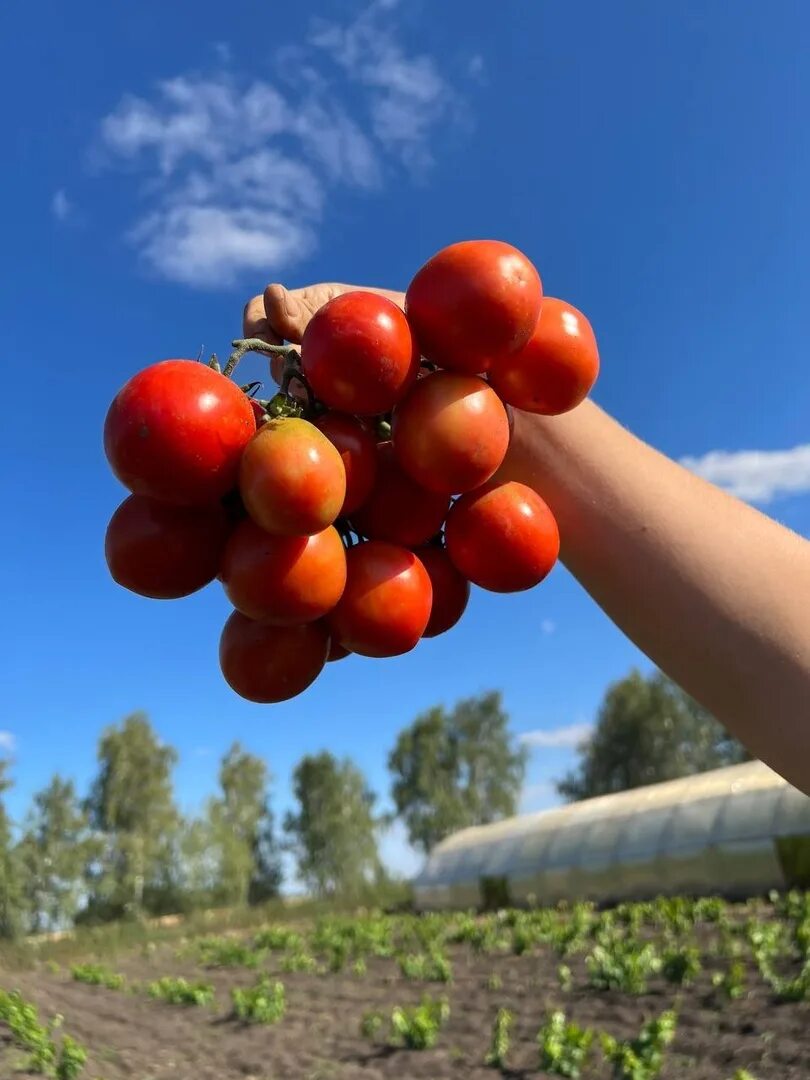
x=282 y=314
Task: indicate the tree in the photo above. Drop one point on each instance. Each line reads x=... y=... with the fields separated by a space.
x=53 y=852
x=131 y=805
x=333 y=835
x=455 y=769
x=648 y=730
x=10 y=887
x=242 y=824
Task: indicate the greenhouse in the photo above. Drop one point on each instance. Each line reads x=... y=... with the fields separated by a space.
x=736 y=831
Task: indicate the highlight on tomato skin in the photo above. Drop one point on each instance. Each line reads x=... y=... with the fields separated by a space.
x=359 y=354
x=474 y=301
x=451 y=590
x=502 y=537
x=386 y=604
x=451 y=433
x=163 y=551
x=557 y=367
x=284 y=580
x=399 y=510
x=358 y=451
x=291 y=478
x=176 y=431
x=269 y=664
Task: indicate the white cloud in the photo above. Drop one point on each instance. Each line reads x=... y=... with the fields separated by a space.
x=8 y=741
x=756 y=475
x=568 y=736
x=548 y=626
x=538 y=796
x=239 y=175
x=61 y=206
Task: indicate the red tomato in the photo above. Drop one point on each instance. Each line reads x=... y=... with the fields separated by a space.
x=399 y=510
x=358 y=449
x=386 y=604
x=336 y=651
x=176 y=432
x=164 y=551
x=359 y=354
x=556 y=368
x=283 y=580
x=451 y=590
x=291 y=478
x=451 y=432
x=474 y=301
x=502 y=537
x=271 y=663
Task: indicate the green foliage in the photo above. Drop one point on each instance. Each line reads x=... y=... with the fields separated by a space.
x=564 y=977
x=648 y=730
x=430 y=967
x=623 y=965
x=681 y=964
x=454 y=769
x=97 y=975
x=242 y=828
x=131 y=806
x=417 y=1027
x=371 y=1024
x=72 y=1059
x=641 y=1058
x=564 y=1046
x=743 y=1074
x=53 y=852
x=223 y=952
x=333 y=834
x=64 y=1059
x=263 y=1003
x=731 y=983
x=494 y=982
x=299 y=961
x=11 y=890
x=501 y=1039
x=179 y=991
x=278 y=939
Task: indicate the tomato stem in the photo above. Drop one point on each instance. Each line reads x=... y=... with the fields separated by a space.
x=246 y=345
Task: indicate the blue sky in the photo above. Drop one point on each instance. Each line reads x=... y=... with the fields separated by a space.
x=162 y=162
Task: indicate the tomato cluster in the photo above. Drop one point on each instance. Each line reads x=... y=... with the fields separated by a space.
x=354 y=523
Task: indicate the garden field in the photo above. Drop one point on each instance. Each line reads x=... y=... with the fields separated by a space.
x=674 y=988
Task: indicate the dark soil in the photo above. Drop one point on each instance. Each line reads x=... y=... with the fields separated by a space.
x=131 y=1036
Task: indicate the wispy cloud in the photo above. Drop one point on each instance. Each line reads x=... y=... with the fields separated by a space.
x=61 y=206
x=568 y=736
x=548 y=626
x=538 y=796
x=240 y=174
x=759 y=476
x=8 y=742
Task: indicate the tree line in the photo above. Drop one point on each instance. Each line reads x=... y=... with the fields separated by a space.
x=124 y=849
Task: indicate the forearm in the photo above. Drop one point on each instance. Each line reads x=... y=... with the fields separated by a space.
x=713 y=591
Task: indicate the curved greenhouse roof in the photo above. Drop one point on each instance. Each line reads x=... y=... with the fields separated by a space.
x=738 y=830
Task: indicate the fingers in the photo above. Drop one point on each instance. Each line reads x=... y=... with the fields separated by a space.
x=255 y=324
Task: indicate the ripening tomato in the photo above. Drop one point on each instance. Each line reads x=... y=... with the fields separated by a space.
x=385 y=606
x=291 y=478
x=358 y=450
x=502 y=537
x=399 y=510
x=451 y=432
x=451 y=590
x=336 y=651
x=164 y=551
x=556 y=368
x=176 y=432
x=283 y=580
x=359 y=354
x=474 y=301
x=271 y=663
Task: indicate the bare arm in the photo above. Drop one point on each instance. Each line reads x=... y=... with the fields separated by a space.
x=714 y=592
